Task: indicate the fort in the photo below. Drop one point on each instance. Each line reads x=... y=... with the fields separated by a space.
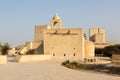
x=55 y=43
x=64 y=43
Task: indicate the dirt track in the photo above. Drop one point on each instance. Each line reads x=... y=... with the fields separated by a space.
x=47 y=71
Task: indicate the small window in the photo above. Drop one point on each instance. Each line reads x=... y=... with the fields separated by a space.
x=53 y=54
x=74 y=54
x=64 y=54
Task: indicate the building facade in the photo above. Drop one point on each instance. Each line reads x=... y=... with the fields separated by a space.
x=61 y=44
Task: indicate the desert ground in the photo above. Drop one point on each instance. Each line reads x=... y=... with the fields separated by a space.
x=47 y=71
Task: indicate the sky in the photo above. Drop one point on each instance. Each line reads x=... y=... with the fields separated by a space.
x=18 y=17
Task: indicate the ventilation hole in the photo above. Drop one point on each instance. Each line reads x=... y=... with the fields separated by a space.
x=64 y=54
x=53 y=54
x=74 y=54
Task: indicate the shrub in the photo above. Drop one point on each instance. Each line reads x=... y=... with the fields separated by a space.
x=98 y=50
x=109 y=50
x=4 y=48
x=65 y=63
x=94 y=67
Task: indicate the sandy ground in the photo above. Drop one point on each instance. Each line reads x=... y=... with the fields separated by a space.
x=47 y=71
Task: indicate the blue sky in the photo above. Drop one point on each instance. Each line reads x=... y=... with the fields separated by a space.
x=18 y=17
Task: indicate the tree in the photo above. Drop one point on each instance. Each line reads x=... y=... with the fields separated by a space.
x=109 y=50
x=4 y=49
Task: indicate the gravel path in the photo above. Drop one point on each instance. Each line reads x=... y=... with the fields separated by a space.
x=47 y=71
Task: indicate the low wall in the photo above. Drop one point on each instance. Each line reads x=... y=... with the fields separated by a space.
x=32 y=58
x=116 y=58
x=3 y=59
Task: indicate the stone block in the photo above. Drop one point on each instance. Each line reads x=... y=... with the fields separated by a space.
x=32 y=58
x=3 y=59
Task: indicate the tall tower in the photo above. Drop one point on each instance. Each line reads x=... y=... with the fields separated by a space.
x=92 y=33
x=39 y=33
x=97 y=35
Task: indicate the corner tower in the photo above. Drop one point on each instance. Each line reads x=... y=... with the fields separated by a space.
x=97 y=35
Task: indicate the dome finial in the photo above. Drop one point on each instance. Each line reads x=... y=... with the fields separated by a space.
x=56 y=14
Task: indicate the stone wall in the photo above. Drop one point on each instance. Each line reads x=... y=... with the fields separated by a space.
x=103 y=32
x=64 y=44
x=38 y=46
x=39 y=33
x=97 y=35
x=27 y=47
x=92 y=32
x=89 y=49
x=99 y=38
x=102 y=45
x=32 y=58
x=116 y=58
x=3 y=59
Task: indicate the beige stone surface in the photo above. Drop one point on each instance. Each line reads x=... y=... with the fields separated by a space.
x=116 y=58
x=37 y=44
x=39 y=32
x=97 y=35
x=56 y=20
x=102 y=45
x=27 y=46
x=32 y=45
x=47 y=71
x=64 y=44
x=92 y=32
x=3 y=59
x=89 y=49
x=99 y=38
x=31 y=58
